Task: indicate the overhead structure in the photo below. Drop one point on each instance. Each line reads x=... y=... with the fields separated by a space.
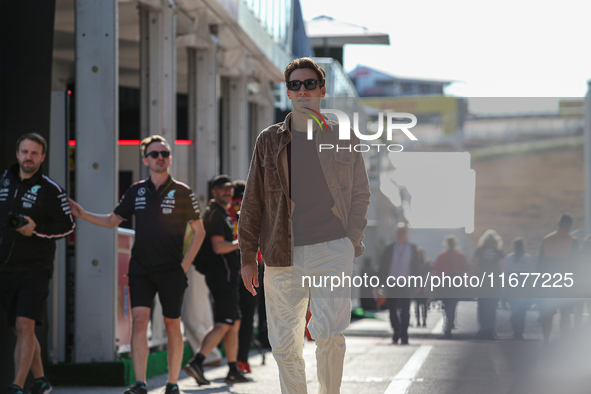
x=328 y=36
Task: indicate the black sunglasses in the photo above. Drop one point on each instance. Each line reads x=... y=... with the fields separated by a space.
x=309 y=84
x=154 y=154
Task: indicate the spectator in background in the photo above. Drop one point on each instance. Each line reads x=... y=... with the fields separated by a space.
x=487 y=259
x=400 y=259
x=450 y=262
x=197 y=314
x=558 y=254
x=248 y=303
x=517 y=262
x=366 y=294
x=421 y=301
x=221 y=258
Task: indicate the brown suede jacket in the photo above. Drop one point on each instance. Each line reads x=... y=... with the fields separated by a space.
x=265 y=215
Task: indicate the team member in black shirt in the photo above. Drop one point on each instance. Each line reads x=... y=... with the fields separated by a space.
x=27 y=251
x=219 y=260
x=162 y=207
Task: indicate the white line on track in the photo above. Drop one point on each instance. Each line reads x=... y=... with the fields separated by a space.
x=403 y=380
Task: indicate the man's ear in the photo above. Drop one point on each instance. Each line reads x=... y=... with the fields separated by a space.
x=323 y=90
x=288 y=94
x=145 y=161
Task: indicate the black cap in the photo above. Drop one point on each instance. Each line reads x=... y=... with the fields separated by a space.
x=222 y=180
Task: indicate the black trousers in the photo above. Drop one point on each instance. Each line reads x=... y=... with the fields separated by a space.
x=487 y=309
x=519 y=307
x=262 y=310
x=400 y=322
x=449 y=307
x=248 y=304
x=421 y=310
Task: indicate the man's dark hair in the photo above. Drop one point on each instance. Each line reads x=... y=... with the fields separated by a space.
x=33 y=137
x=148 y=140
x=519 y=246
x=566 y=221
x=305 y=62
x=239 y=187
x=450 y=242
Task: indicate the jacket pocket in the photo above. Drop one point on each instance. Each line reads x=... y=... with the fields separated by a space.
x=271 y=175
x=345 y=157
x=344 y=164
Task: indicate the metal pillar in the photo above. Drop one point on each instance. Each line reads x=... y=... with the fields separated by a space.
x=58 y=164
x=207 y=120
x=203 y=76
x=588 y=160
x=97 y=127
x=202 y=84
x=266 y=115
x=263 y=114
x=158 y=71
x=238 y=67
x=237 y=145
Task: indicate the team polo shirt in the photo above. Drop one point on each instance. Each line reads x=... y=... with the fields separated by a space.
x=223 y=271
x=161 y=218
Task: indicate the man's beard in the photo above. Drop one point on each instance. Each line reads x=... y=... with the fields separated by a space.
x=29 y=170
x=224 y=201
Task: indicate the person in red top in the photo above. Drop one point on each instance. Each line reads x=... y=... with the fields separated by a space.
x=450 y=262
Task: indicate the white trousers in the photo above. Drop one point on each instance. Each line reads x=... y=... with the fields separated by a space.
x=287 y=301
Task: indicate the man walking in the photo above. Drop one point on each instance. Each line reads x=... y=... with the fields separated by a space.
x=558 y=253
x=220 y=261
x=306 y=209
x=34 y=212
x=450 y=262
x=400 y=260
x=162 y=207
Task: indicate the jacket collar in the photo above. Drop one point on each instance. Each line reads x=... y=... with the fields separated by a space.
x=286 y=125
